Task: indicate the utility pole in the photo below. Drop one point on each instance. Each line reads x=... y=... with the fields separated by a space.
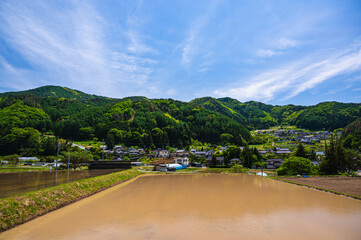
x=68 y=160
x=103 y=150
x=56 y=166
x=261 y=166
x=68 y=164
x=57 y=158
x=324 y=138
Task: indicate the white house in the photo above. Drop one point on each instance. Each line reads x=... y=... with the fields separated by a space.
x=182 y=161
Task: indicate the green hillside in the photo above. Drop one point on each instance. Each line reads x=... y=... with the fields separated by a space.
x=130 y=121
x=329 y=115
x=352 y=135
x=71 y=114
x=257 y=115
x=54 y=91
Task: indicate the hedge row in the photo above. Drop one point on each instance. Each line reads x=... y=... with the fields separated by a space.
x=24 y=207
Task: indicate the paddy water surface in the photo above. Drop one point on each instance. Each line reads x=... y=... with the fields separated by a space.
x=215 y=206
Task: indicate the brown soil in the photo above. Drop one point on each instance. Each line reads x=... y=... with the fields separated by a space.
x=348 y=185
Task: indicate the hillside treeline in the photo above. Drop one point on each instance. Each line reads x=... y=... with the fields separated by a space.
x=28 y=117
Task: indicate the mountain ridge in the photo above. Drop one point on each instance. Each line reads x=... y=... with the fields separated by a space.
x=251 y=114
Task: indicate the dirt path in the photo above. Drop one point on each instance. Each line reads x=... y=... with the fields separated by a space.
x=132 y=117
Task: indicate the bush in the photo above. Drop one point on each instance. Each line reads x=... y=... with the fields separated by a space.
x=237 y=168
x=12 y=159
x=297 y=165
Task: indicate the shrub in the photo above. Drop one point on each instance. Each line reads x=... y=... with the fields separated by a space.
x=297 y=165
x=237 y=168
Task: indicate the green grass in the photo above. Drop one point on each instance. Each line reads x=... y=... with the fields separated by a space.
x=86 y=143
x=189 y=170
x=24 y=207
x=6 y=169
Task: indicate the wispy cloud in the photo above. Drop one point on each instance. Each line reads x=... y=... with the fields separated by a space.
x=266 y=53
x=285 y=43
x=280 y=47
x=136 y=45
x=72 y=44
x=192 y=42
x=295 y=78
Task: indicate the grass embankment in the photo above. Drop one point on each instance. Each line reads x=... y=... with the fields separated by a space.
x=22 y=169
x=24 y=207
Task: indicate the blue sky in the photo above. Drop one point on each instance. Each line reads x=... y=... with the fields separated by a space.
x=277 y=52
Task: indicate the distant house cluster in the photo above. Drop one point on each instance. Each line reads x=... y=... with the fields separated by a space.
x=297 y=135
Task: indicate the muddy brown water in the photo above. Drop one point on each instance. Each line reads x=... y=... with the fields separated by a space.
x=215 y=206
x=12 y=184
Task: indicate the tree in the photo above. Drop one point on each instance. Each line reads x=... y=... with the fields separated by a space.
x=352 y=160
x=110 y=141
x=237 y=168
x=297 y=165
x=301 y=151
x=49 y=146
x=230 y=153
x=335 y=158
x=248 y=157
x=214 y=161
x=12 y=159
x=226 y=138
x=312 y=155
x=77 y=158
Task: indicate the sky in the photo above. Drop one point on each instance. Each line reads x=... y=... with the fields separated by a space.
x=277 y=52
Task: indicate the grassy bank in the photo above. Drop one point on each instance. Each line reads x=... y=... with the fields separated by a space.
x=8 y=169
x=22 y=208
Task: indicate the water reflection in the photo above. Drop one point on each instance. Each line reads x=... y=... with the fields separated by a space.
x=16 y=183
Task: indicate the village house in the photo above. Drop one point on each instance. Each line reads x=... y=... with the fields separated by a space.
x=180 y=153
x=220 y=160
x=118 y=149
x=235 y=161
x=200 y=154
x=210 y=153
x=262 y=152
x=182 y=161
x=282 y=151
x=223 y=149
x=273 y=163
x=163 y=153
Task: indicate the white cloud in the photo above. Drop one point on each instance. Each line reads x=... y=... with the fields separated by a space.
x=136 y=45
x=71 y=46
x=191 y=45
x=285 y=43
x=266 y=53
x=280 y=47
x=295 y=78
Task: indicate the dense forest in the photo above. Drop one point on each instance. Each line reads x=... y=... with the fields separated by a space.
x=352 y=135
x=26 y=117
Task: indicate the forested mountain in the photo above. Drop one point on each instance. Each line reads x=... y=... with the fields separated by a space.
x=54 y=91
x=352 y=135
x=71 y=114
x=257 y=115
x=131 y=121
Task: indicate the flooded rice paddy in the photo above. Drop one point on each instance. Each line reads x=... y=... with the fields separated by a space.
x=15 y=183
x=200 y=207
